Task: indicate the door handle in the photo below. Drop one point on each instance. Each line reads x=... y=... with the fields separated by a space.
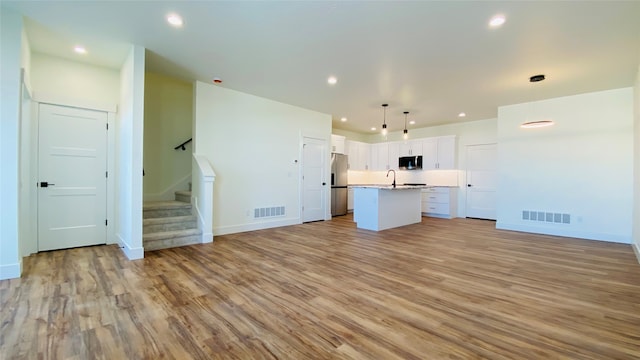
x=469 y=185
x=45 y=184
x=324 y=183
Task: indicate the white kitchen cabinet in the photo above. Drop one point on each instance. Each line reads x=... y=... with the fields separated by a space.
x=380 y=157
x=411 y=148
x=338 y=144
x=358 y=155
x=440 y=202
x=350 y=199
x=394 y=154
x=438 y=153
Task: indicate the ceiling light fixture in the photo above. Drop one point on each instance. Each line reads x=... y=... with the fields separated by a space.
x=384 y=120
x=343 y=119
x=175 y=20
x=405 y=133
x=373 y=129
x=412 y=122
x=497 y=21
x=536 y=123
x=332 y=80
x=462 y=114
x=80 y=49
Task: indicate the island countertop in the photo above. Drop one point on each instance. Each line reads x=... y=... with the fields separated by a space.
x=390 y=187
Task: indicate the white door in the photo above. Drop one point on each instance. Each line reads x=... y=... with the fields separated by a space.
x=313 y=179
x=72 y=167
x=481 y=181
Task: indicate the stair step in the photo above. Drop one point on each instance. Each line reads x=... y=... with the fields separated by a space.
x=156 y=209
x=169 y=239
x=151 y=225
x=183 y=195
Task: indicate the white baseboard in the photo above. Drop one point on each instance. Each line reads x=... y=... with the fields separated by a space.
x=129 y=252
x=169 y=193
x=565 y=232
x=223 y=230
x=11 y=271
x=636 y=250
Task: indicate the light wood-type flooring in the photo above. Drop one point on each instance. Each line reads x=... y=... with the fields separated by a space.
x=442 y=289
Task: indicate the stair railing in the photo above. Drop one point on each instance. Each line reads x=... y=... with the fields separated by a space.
x=182 y=146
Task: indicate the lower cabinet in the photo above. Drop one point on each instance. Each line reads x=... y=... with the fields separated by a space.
x=350 y=199
x=439 y=202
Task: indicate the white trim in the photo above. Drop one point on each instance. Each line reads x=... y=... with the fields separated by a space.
x=11 y=271
x=636 y=250
x=168 y=193
x=565 y=232
x=55 y=99
x=129 y=252
x=111 y=179
x=232 y=229
x=207 y=237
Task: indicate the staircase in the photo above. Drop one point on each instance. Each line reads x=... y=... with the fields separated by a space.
x=168 y=224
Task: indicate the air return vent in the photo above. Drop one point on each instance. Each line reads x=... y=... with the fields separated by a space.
x=268 y=212
x=543 y=216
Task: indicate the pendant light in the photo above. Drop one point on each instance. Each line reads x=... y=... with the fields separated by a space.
x=405 y=133
x=384 y=121
x=536 y=123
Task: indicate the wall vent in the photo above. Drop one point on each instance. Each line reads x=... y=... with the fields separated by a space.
x=543 y=216
x=268 y=212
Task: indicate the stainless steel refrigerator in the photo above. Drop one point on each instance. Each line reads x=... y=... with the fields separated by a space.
x=339 y=191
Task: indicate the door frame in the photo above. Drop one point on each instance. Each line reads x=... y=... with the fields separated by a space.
x=327 y=171
x=111 y=110
x=466 y=173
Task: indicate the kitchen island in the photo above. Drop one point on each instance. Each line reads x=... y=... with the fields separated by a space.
x=385 y=207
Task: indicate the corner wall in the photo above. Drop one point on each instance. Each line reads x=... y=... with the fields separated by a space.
x=10 y=92
x=129 y=145
x=636 y=165
x=581 y=166
x=252 y=144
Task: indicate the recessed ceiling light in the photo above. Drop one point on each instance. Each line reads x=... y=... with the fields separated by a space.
x=412 y=122
x=332 y=80
x=462 y=114
x=373 y=129
x=80 y=49
x=343 y=119
x=497 y=21
x=175 y=20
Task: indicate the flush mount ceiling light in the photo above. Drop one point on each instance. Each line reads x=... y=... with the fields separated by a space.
x=536 y=123
x=175 y=20
x=384 y=120
x=497 y=21
x=405 y=133
x=332 y=80
x=80 y=49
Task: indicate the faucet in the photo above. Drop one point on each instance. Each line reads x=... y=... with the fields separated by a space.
x=394 y=177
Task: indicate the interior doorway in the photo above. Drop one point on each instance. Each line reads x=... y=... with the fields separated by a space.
x=72 y=177
x=313 y=179
x=481 y=181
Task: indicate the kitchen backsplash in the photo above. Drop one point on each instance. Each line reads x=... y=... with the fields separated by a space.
x=429 y=177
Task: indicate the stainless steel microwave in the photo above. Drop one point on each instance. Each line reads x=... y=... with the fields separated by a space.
x=410 y=162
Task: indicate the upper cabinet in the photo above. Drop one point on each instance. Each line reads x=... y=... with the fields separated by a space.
x=380 y=157
x=411 y=148
x=358 y=153
x=439 y=153
x=337 y=144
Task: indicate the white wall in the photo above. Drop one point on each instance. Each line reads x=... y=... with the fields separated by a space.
x=252 y=143
x=168 y=113
x=10 y=92
x=129 y=145
x=62 y=81
x=636 y=163
x=581 y=166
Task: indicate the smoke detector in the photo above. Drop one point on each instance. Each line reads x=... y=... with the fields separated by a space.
x=217 y=80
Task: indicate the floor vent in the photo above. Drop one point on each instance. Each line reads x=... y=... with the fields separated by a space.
x=268 y=212
x=543 y=216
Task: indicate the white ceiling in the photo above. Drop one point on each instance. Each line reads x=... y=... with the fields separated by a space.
x=433 y=59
